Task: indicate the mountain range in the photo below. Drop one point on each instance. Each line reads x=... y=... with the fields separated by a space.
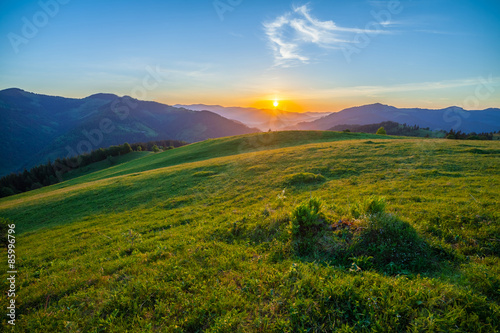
x=35 y=128
x=455 y=118
x=263 y=119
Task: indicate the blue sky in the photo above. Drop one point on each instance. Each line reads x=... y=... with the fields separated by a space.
x=313 y=56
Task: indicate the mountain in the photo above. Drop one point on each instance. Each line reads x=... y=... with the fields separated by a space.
x=264 y=119
x=445 y=119
x=35 y=128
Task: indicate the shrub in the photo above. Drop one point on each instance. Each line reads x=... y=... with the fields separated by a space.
x=381 y=131
x=303 y=178
x=307 y=214
x=307 y=221
x=126 y=148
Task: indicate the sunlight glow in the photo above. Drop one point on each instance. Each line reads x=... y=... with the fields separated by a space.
x=276 y=103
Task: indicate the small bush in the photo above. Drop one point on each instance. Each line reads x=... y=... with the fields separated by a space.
x=307 y=214
x=303 y=178
x=381 y=131
x=307 y=221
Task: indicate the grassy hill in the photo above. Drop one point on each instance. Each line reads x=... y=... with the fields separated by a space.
x=271 y=232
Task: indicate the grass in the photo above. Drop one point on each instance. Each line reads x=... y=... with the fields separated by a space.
x=402 y=235
x=98 y=166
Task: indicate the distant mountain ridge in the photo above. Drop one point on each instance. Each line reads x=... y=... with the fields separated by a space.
x=446 y=119
x=264 y=119
x=35 y=128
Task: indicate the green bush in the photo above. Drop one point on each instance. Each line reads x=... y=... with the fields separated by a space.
x=308 y=214
x=381 y=131
x=303 y=178
x=307 y=221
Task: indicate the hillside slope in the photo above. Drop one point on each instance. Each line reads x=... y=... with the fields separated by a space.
x=35 y=128
x=201 y=238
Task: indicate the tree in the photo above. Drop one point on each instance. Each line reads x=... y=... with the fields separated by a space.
x=381 y=131
x=156 y=149
x=126 y=148
x=139 y=148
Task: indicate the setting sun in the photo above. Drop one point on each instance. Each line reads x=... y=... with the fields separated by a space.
x=276 y=103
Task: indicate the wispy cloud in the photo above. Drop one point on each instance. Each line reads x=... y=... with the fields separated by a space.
x=375 y=91
x=291 y=32
x=440 y=32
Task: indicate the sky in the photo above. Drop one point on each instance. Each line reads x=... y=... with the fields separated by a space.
x=320 y=55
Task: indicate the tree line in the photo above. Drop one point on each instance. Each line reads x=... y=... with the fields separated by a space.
x=391 y=128
x=160 y=144
x=394 y=128
x=459 y=135
x=52 y=172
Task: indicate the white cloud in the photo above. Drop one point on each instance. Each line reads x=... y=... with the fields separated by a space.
x=408 y=87
x=290 y=33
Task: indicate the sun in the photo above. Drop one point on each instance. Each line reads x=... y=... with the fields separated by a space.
x=276 y=103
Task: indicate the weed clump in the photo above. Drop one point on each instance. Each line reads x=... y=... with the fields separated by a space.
x=370 y=206
x=303 y=178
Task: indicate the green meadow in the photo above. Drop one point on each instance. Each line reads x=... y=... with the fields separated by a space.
x=271 y=232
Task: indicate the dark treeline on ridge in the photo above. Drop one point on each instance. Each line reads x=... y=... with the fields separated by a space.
x=161 y=144
x=394 y=128
x=52 y=172
x=459 y=135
